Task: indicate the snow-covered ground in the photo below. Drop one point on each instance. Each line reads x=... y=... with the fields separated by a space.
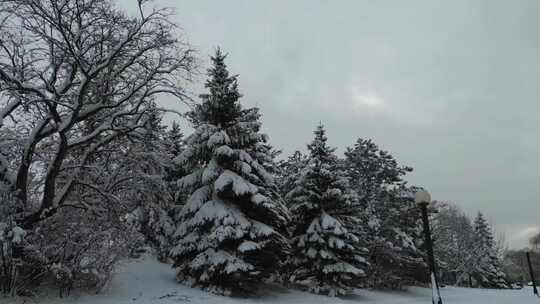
x=147 y=281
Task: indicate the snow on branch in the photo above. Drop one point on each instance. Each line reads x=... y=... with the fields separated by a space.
x=75 y=76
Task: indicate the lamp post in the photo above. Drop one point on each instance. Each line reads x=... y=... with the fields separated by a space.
x=533 y=280
x=422 y=199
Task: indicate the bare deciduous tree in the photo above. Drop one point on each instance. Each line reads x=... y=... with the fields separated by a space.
x=74 y=76
x=535 y=242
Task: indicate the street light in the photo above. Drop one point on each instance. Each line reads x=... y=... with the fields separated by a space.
x=533 y=281
x=422 y=199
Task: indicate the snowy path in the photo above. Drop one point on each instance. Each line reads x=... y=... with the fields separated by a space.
x=150 y=282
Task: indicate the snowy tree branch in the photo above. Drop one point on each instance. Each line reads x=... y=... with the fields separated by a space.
x=78 y=75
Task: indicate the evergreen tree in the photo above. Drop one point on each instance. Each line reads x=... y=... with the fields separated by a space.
x=289 y=171
x=483 y=233
x=230 y=235
x=150 y=163
x=486 y=268
x=174 y=140
x=393 y=220
x=327 y=256
x=263 y=152
x=174 y=145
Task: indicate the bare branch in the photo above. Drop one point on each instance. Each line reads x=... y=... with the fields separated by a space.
x=75 y=76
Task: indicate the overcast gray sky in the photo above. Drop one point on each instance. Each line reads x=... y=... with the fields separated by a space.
x=451 y=88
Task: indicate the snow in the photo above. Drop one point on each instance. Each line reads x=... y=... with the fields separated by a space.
x=191 y=179
x=435 y=292
x=147 y=281
x=224 y=151
x=217 y=258
x=210 y=172
x=218 y=138
x=248 y=246
x=260 y=229
x=18 y=234
x=239 y=185
x=197 y=199
x=258 y=199
x=219 y=212
x=342 y=268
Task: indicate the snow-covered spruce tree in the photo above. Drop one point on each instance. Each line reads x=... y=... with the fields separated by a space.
x=327 y=257
x=394 y=226
x=289 y=171
x=231 y=234
x=263 y=152
x=174 y=145
x=174 y=140
x=486 y=267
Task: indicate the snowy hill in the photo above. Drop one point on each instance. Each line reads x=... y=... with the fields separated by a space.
x=147 y=281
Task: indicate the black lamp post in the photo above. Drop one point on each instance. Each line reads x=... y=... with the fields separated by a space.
x=533 y=280
x=422 y=199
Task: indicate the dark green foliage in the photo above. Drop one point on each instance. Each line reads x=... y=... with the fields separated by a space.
x=393 y=219
x=486 y=266
x=327 y=254
x=231 y=232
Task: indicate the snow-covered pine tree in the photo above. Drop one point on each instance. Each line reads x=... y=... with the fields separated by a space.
x=174 y=145
x=394 y=221
x=289 y=171
x=174 y=140
x=486 y=267
x=327 y=257
x=263 y=152
x=231 y=234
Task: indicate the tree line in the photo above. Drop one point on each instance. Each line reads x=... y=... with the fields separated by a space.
x=89 y=173
x=467 y=251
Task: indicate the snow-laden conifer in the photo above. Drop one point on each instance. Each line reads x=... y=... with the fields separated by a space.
x=289 y=171
x=486 y=272
x=327 y=256
x=230 y=235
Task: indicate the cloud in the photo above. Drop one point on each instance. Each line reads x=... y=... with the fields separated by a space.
x=519 y=236
x=528 y=232
x=373 y=103
x=366 y=100
x=449 y=88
